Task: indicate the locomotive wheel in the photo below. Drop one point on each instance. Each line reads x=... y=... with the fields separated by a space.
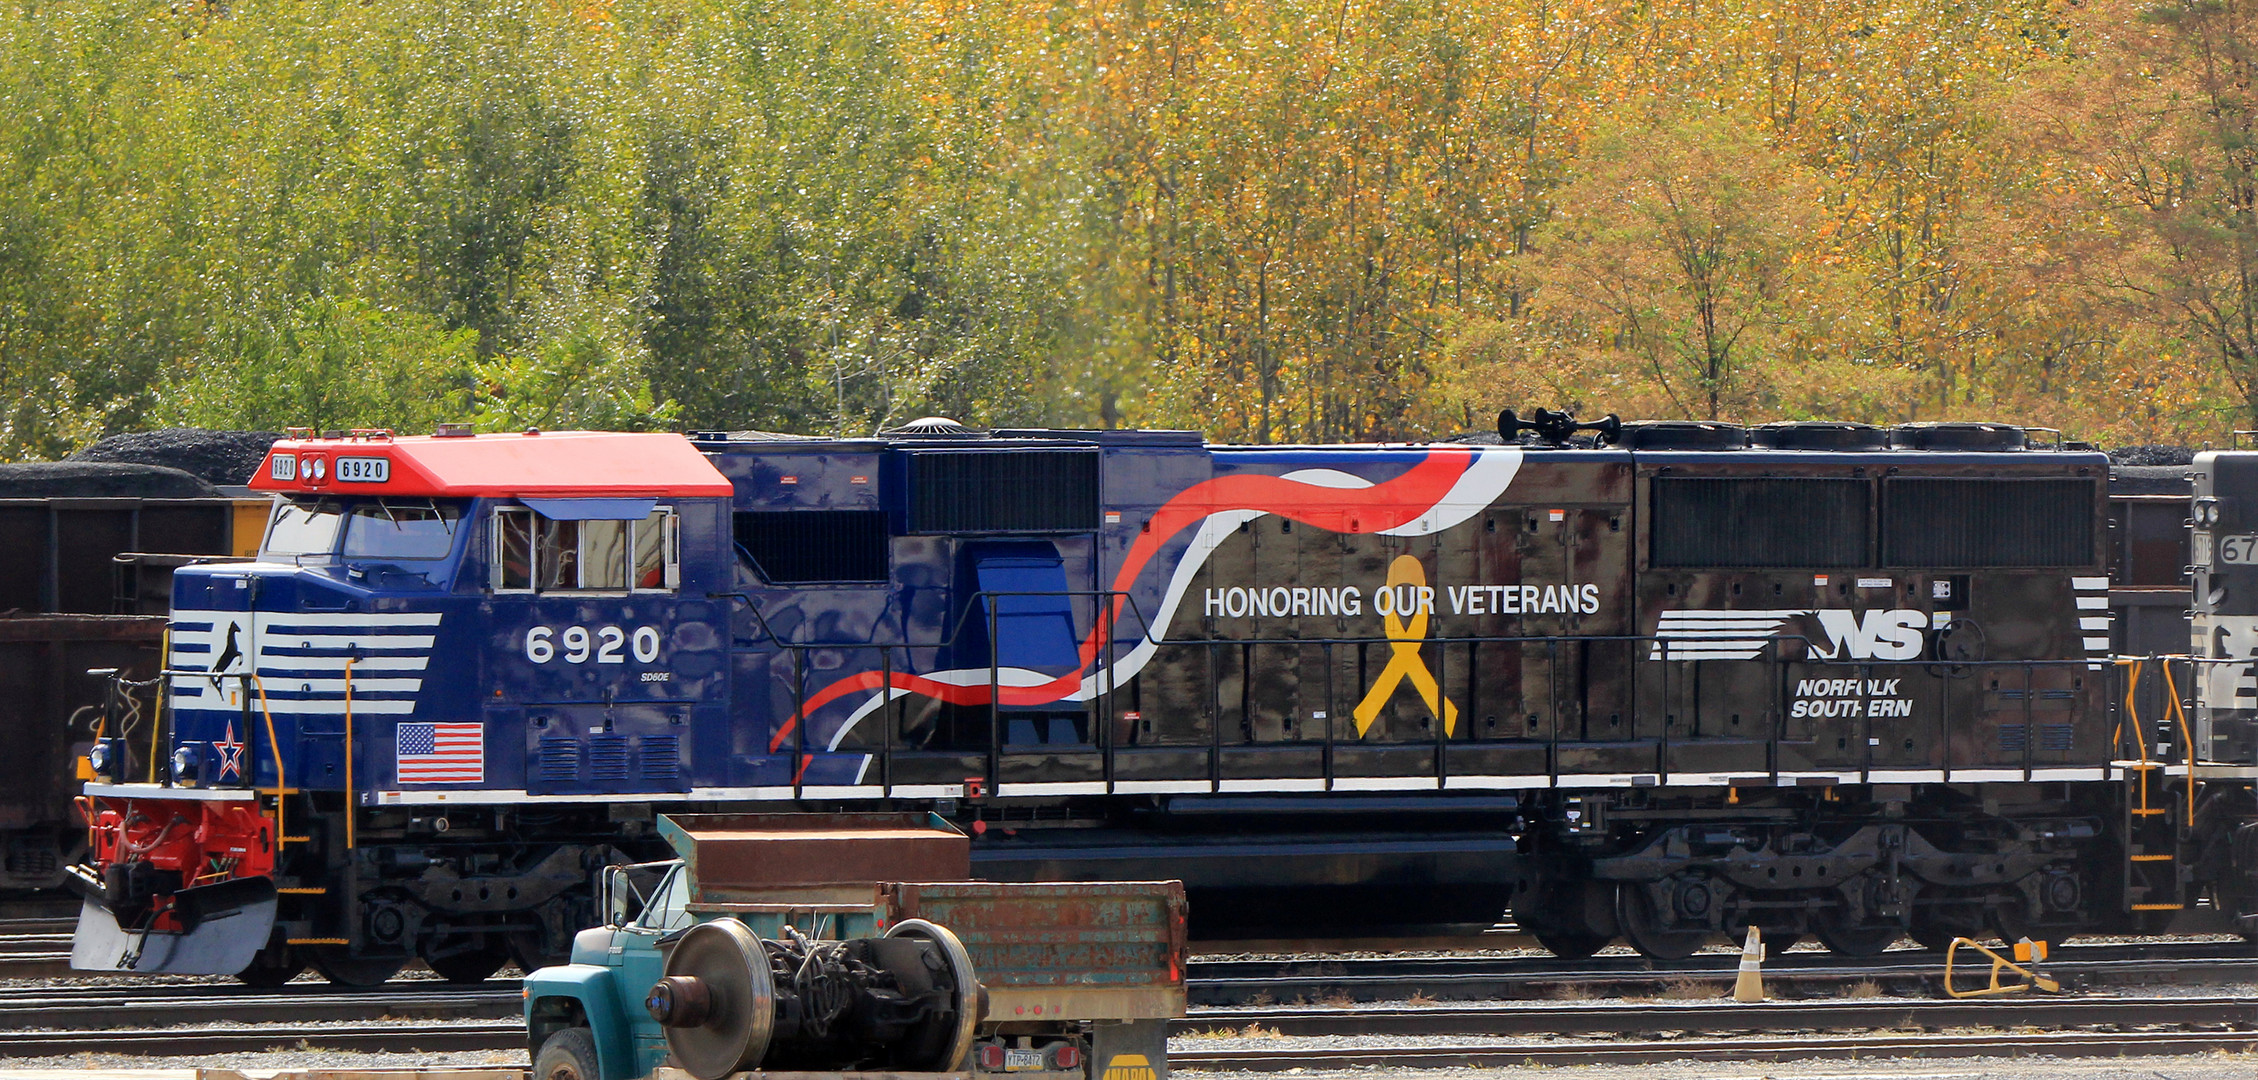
x=729 y=1031
x=1642 y=927
x=345 y=969
x=1858 y=941
x=1937 y=934
x=2008 y=921
x=1933 y=938
x=569 y=1054
x=956 y=1050
x=468 y=966
x=1569 y=945
x=274 y=965
x=524 y=948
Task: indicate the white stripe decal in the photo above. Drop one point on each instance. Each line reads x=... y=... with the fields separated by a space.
x=1058 y=787
x=1161 y=787
x=1384 y=783
x=1306 y=783
x=2093 y=603
x=1905 y=776
x=2093 y=622
x=1454 y=783
x=2090 y=582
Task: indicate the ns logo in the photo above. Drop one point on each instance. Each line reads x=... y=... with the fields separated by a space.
x=1841 y=634
x=1879 y=635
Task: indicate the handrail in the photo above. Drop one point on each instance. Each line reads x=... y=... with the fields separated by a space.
x=351 y=793
x=2187 y=741
x=274 y=747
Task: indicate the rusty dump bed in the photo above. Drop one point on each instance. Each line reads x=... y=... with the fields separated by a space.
x=1045 y=951
x=1050 y=950
x=747 y=857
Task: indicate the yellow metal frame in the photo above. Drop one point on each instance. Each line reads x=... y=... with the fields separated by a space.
x=1998 y=964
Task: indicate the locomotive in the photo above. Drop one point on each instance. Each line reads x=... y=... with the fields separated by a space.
x=1825 y=679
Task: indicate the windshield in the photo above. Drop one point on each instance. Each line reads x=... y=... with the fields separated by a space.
x=401 y=529
x=302 y=528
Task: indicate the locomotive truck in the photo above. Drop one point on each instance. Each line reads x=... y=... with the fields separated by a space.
x=1822 y=678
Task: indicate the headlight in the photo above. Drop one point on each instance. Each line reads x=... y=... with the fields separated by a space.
x=184 y=761
x=99 y=758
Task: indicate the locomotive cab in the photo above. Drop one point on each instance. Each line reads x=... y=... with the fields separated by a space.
x=347 y=667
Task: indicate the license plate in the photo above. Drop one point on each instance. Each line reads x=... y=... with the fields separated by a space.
x=1022 y=1060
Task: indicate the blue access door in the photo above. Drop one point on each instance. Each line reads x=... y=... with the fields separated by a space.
x=1027 y=609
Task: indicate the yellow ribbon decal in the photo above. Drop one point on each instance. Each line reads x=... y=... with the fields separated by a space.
x=1404 y=639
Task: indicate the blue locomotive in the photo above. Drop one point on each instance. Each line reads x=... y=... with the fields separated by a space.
x=1827 y=679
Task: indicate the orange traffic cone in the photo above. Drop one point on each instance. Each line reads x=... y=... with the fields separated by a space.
x=1749 y=985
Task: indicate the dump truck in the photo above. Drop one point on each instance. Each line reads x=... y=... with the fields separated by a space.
x=848 y=945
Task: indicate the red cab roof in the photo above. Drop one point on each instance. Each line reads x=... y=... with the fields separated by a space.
x=551 y=464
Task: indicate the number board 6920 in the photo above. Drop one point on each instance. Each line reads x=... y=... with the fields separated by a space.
x=582 y=644
x=364 y=470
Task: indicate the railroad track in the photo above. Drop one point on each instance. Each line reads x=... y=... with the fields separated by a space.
x=1242 y=982
x=438 y=1017
x=1645 y=1052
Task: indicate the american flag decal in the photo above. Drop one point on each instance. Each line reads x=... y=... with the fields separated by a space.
x=441 y=753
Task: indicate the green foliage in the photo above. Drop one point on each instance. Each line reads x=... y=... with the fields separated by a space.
x=1287 y=220
x=329 y=364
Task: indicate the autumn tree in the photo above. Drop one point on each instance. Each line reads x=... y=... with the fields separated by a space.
x=1684 y=251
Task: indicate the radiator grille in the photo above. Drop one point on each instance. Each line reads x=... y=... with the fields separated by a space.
x=661 y=757
x=1952 y=521
x=560 y=759
x=1004 y=491
x=1722 y=522
x=799 y=546
x=607 y=757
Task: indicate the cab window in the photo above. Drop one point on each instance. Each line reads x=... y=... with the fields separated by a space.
x=667 y=912
x=401 y=529
x=299 y=528
x=536 y=553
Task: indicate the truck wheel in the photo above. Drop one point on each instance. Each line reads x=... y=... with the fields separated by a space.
x=567 y=1054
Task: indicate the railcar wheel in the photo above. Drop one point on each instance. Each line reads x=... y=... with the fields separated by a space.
x=569 y=1054
x=273 y=966
x=1642 y=927
x=468 y=966
x=1856 y=941
x=946 y=1050
x=345 y=969
x=1569 y=945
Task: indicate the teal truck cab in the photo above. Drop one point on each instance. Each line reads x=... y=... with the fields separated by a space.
x=851 y=945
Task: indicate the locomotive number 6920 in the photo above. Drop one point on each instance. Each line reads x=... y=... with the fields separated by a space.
x=582 y=644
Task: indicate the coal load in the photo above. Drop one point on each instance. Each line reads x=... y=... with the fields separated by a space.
x=2152 y=454
x=218 y=457
x=99 y=479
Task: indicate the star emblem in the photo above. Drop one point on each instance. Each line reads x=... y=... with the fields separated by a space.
x=230 y=752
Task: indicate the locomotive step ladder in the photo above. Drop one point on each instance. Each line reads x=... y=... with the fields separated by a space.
x=2155 y=822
